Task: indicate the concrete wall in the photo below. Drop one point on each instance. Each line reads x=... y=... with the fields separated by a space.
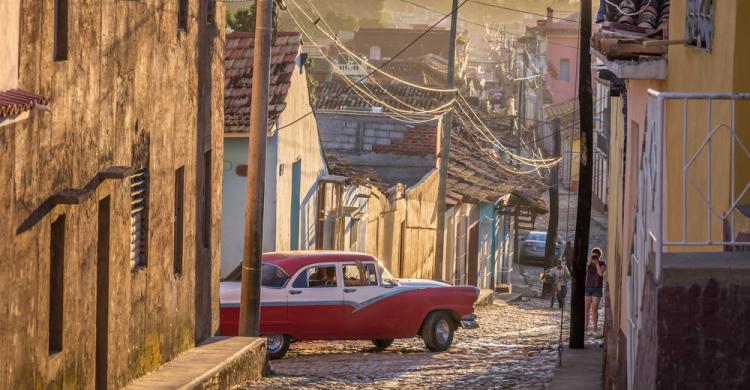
x=365 y=141
x=9 y=30
x=298 y=142
x=107 y=98
x=561 y=46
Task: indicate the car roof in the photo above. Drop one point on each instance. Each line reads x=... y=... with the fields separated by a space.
x=293 y=261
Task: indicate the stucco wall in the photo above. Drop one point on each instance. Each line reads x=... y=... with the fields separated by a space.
x=559 y=47
x=9 y=17
x=298 y=142
x=130 y=75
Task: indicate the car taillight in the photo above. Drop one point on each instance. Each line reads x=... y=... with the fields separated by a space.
x=527 y=244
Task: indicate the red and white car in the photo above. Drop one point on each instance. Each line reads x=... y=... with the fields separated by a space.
x=348 y=296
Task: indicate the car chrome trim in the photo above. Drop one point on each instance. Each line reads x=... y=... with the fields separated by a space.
x=469 y=324
x=469 y=317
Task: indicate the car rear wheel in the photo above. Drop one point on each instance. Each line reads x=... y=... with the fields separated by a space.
x=437 y=331
x=277 y=345
x=381 y=344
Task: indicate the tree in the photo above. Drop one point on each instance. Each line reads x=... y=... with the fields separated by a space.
x=242 y=20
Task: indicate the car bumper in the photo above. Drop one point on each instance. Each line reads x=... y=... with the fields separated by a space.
x=469 y=321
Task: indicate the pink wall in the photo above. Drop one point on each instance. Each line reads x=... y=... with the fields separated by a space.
x=561 y=46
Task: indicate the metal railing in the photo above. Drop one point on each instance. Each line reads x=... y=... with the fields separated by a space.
x=698 y=191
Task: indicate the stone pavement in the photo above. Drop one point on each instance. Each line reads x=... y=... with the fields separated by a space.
x=515 y=347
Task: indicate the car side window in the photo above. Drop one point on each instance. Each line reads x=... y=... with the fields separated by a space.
x=319 y=276
x=360 y=274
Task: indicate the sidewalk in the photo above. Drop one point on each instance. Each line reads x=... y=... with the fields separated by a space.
x=581 y=369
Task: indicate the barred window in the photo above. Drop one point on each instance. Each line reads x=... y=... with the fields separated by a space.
x=138 y=219
x=699 y=23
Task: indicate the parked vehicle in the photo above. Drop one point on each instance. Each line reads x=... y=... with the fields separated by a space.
x=532 y=247
x=348 y=296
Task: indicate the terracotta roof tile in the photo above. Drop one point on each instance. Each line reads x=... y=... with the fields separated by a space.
x=17 y=101
x=238 y=67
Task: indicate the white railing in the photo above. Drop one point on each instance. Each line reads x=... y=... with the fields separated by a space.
x=672 y=131
x=352 y=69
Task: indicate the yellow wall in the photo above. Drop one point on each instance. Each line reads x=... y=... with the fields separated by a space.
x=696 y=70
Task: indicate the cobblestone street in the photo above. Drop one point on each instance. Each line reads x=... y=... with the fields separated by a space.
x=515 y=347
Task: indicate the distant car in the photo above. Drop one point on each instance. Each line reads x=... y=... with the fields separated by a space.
x=348 y=296
x=532 y=247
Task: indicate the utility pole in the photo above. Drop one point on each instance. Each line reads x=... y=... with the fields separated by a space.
x=256 y=157
x=554 y=207
x=442 y=157
x=583 y=217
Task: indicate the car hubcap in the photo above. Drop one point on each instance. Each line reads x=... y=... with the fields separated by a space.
x=275 y=342
x=442 y=331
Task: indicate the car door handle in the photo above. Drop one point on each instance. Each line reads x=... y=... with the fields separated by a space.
x=350 y=290
x=295 y=292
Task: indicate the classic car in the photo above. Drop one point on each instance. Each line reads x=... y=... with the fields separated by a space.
x=348 y=296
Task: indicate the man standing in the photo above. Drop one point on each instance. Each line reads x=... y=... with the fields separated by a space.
x=560 y=275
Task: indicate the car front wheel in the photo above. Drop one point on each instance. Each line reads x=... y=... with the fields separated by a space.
x=277 y=345
x=381 y=344
x=437 y=331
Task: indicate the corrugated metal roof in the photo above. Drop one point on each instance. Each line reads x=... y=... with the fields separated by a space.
x=17 y=101
x=238 y=66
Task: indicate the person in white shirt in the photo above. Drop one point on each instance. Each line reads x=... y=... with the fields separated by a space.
x=561 y=275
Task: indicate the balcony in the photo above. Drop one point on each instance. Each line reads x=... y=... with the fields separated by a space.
x=692 y=228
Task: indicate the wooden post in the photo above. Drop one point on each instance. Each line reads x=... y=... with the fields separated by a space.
x=256 y=156
x=554 y=207
x=442 y=156
x=583 y=217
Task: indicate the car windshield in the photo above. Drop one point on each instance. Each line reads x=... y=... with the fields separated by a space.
x=272 y=276
x=537 y=236
x=386 y=277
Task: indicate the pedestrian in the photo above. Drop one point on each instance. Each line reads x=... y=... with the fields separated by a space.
x=560 y=275
x=595 y=269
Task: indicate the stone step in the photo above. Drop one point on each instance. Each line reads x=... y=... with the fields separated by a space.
x=218 y=363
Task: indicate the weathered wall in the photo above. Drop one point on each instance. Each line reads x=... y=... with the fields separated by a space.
x=129 y=75
x=420 y=225
x=9 y=30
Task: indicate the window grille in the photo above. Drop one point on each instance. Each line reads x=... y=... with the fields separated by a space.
x=699 y=23
x=138 y=218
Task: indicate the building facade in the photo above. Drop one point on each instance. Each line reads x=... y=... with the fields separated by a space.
x=111 y=190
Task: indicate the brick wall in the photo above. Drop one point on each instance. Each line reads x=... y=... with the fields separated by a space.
x=417 y=141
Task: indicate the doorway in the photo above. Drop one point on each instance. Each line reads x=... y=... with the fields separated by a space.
x=471 y=272
x=294 y=209
x=102 y=294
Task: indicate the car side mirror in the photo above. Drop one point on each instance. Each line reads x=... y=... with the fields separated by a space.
x=387 y=284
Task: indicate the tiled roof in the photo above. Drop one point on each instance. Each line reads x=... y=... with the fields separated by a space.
x=238 y=66
x=336 y=94
x=476 y=174
x=567 y=112
x=17 y=101
x=429 y=70
x=647 y=14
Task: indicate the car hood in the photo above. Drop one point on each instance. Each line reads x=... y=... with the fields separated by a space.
x=421 y=283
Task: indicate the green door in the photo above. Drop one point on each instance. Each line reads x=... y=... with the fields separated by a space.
x=294 y=209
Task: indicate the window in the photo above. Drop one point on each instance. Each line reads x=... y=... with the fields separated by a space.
x=207 y=200
x=323 y=276
x=56 y=284
x=61 y=30
x=138 y=219
x=565 y=69
x=179 y=197
x=273 y=276
x=386 y=278
x=360 y=275
x=699 y=23
x=182 y=14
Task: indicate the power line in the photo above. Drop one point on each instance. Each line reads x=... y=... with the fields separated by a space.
x=482 y=24
x=385 y=63
x=520 y=10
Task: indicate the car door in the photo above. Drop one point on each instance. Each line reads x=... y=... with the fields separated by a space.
x=368 y=311
x=314 y=303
